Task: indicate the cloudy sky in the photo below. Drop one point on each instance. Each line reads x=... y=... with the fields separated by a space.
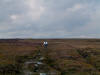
x=49 y=18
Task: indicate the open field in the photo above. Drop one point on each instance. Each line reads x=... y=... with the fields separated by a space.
x=68 y=56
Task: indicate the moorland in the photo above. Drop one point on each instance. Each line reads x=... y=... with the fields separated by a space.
x=67 y=56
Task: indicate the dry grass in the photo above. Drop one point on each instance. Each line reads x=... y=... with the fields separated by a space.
x=65 y=53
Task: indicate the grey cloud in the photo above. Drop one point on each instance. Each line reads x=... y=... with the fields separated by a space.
x=49 y=18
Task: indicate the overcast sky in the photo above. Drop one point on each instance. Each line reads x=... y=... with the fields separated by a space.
x=49 y=18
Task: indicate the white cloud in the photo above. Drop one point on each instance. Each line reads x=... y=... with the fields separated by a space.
x=76 y=7
x=53 y=18
x=35 y=9
x=14 y=17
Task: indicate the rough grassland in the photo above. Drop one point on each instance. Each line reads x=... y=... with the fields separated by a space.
x=68 y=56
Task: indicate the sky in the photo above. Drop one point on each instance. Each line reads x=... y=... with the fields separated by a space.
x=49 y=18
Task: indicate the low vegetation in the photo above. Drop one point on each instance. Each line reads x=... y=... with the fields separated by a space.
x=66 y=56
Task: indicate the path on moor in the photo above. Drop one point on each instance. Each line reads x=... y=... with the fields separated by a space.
x=37 y=63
